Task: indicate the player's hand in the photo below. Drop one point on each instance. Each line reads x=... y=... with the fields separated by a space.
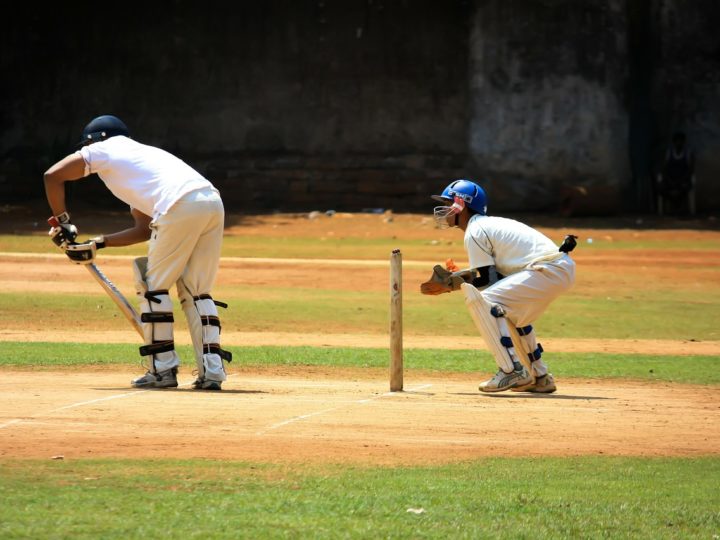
x=451 y=266
x=569 y=243
x=62 y=232
x=440 y=282
x=84 y=252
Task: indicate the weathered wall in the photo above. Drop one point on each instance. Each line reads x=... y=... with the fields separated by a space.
x=333 y=104
x=547 y=111
x=685 y=90
x=284 y=105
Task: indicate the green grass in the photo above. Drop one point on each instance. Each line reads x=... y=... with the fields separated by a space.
x=643 y=315
x=40 y=243
x=679 y=369
x=354 y=247
x=290 y=247
x=558 y=498
x=346 y=248
x=490 y=498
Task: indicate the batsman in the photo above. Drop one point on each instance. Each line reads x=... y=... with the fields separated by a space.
x=515 y=273
x=182 y=216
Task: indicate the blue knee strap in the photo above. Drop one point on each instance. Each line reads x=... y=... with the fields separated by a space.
x=525 y=330
x=533 y=356
x=506 y=341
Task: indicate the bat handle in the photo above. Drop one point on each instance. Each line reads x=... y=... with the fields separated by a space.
x=53 y=222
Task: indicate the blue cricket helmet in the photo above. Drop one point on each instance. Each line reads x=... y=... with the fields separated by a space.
x=103 y=127
x=469 y=192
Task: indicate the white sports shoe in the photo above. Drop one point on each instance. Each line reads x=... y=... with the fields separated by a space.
x=505 y=381
x=206 y=384
x=545 y=384
x=164 y=379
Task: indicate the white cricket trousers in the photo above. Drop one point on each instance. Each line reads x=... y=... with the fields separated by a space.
x=185 y=243
x=525 y=295
x=184 y=251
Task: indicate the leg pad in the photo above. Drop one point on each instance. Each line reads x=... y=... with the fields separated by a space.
x=489 y=326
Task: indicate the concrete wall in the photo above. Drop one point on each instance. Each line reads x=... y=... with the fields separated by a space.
x=686 y=87
x=547 y=111
x=303 y=105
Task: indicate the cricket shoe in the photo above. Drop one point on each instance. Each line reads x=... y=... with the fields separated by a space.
x=163 y=379
x=545 y=384
x=505 y=381
x=206 y=384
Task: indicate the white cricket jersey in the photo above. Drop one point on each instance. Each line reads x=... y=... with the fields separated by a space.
x=509 y=245
x=145 y=177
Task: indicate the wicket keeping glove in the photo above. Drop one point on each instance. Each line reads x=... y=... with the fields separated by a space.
x=444 y=281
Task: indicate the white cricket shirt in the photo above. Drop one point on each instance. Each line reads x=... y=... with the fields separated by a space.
x=506 y=243
x=145 y=177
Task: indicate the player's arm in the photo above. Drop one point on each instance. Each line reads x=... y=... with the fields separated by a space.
x=486 y=276
x=84 y=252
x=139 y=232
x=444 y=281
x=68 y=169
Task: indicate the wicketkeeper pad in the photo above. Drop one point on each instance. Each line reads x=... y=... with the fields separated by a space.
x=493 y=330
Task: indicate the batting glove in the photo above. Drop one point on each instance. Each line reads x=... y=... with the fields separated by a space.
x=62 y=232
x=84 y=252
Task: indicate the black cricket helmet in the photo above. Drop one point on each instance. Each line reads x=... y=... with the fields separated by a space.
x=103 y=127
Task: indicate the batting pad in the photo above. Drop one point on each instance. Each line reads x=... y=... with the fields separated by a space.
x=160 y=331
x=204 y=326
x=139 y=273
x=488 y=326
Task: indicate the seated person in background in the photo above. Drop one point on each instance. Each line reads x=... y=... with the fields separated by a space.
x=676 y=179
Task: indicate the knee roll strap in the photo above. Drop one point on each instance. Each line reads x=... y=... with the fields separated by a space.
x=159 y=332
x=157 y=317
x=524 y=330
x=208 y=297
x=157 y=347
x=214 y=348
x=211 y=320
x=154 y=296
x=536 y=354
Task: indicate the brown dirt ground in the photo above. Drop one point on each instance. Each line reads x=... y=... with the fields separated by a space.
x=343 y=415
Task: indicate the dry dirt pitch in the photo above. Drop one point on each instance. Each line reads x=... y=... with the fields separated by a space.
x=338 y=415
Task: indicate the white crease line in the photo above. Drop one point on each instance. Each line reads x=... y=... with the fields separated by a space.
x=297 y=382
x=79 y=404
x=310 y=415
x=71 y=406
